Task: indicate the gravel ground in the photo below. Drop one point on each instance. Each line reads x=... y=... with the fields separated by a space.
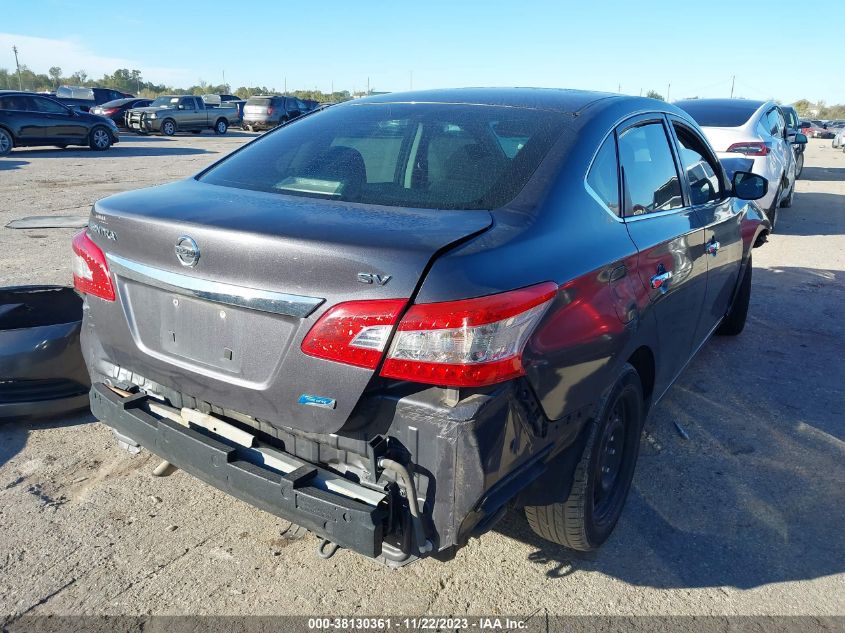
x=744 y=517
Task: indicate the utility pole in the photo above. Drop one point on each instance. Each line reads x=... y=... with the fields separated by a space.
x=224 y=77
x=411 y=81
x=619 y=88
x=733 y=79
x=368 y=86
x=286 y=86
x=332 y=86
x=20 y=85
x=668 y=88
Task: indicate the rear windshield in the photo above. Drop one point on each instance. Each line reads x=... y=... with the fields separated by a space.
x=410 y=155
x=259 y=101
x=725 y=114
x=116 y=103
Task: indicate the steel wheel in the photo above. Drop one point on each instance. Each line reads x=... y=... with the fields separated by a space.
x=613 y=468
x=6 y=143
x=100 y=139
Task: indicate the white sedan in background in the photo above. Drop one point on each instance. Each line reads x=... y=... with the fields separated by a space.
x=739 y=128
x=839 y=139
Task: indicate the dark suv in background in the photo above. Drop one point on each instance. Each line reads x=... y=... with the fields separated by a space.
x=267 y=111
x=28 y=119
x=793 y=127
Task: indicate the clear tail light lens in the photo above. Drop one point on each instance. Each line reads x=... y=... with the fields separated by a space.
x=750 y=148
x=90 y=270
x=467 y=343
x=355 y=332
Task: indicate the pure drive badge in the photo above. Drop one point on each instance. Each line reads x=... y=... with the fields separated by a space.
x=317 y=401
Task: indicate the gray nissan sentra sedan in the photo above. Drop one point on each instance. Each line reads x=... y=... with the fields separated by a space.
x=392 y=320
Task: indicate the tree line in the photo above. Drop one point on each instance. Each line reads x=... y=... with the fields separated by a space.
x=132 y=82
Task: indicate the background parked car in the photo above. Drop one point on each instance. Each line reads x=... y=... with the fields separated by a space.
x=263 y=112
x=116 y=110
x=181 y=113
x=839 y=139
x=28 y=119
x=793 y=128
x=816 y=129
x=86 y=98
x=755 y=129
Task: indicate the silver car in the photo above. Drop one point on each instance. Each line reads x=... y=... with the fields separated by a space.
x=264 y=112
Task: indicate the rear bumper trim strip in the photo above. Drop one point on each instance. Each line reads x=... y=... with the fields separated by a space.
x=252 y=298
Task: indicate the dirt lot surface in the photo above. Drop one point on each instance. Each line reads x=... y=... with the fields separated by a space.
x=744 y=517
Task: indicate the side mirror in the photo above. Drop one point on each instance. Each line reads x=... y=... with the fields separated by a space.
x=800 y=139
x=748 y=186
x=181 y=107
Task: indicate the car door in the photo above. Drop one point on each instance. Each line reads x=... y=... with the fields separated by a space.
x=708 y=194
x=61 y=124
x=784 y=146
x=668 y=234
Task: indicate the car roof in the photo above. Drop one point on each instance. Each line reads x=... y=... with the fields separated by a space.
x=555 y=99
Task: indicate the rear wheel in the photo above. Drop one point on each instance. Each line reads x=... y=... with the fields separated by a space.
x=6 y=142
x=100 y=139
x=799 y=165
x=221 y=126
x=787 y=202
x=772 y=213
x=734 y=321
x=603 y=475
x=168 y=127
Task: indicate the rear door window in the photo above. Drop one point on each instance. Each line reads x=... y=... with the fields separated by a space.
x=649 y=175
x=48 y=106
x=603 y=177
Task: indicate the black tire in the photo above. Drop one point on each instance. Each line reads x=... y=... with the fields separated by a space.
x=787 y=202
x=221 y=127
x=799 y=165
x=588 y=515
x=7 y=142
x=734 y=320
x=196 y=131
x=772 y=212
x=168 y=127
x=99 y=139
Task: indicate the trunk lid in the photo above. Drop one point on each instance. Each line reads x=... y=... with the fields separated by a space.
x=228 y=329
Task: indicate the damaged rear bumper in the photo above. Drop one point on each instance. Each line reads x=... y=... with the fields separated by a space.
x=293 y=496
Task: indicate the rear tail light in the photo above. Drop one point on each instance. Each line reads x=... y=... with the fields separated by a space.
x=90 y=271
x=354 y=332
x=109 y=111
x=750 y=148
x=467 y=343
x=269 y=110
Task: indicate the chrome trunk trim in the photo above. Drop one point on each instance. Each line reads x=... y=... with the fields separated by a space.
x=218 y=292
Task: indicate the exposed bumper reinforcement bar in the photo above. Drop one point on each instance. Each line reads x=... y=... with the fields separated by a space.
x=349 y=523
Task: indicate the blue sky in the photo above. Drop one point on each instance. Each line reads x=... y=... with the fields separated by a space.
x=602 y=45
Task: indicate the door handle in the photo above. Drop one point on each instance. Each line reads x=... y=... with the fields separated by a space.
x=712 y=247
x=661 y=280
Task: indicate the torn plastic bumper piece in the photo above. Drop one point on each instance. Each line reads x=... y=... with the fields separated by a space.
x=42 y=371
x=294 y=496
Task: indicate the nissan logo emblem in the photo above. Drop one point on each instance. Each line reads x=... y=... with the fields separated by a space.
x=187 y=251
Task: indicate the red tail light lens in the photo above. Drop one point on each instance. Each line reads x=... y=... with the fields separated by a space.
x=355 y=332
x=269 y=110
x=109 y=111
x=90 y=270
x=750 y=148
x=468 y=343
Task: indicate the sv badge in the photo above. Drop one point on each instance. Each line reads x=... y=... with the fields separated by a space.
x=372 y=278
